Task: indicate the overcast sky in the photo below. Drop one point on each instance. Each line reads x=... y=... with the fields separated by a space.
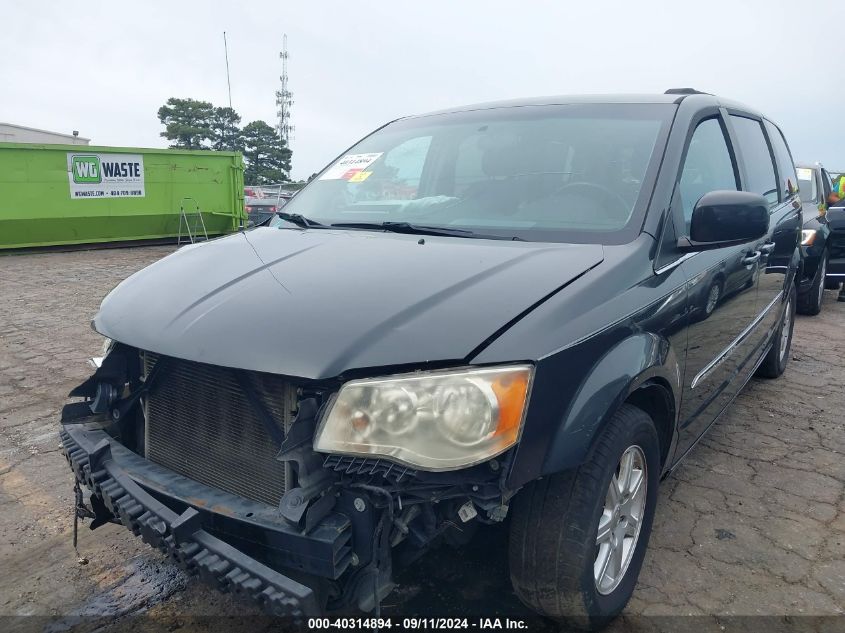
x=104 y=68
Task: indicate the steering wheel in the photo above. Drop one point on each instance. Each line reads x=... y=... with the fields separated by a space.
x=597 y=190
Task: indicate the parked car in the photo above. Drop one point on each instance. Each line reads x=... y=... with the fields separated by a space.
x=814 y=184
x=726 y=280
x=480 y=315
x=261 y=210
x=835 y=216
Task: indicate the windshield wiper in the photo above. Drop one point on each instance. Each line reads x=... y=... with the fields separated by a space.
x=300 y=220
x=420 y=229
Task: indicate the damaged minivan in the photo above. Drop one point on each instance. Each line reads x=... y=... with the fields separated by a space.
x=524 y=312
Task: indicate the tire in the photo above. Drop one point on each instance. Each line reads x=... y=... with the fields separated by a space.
x=712 y=298
x=553 y=539
x=831 y=284
x=811 y=301
x=774 y=363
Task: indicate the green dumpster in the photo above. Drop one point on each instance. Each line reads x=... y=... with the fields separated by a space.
x=71 y=194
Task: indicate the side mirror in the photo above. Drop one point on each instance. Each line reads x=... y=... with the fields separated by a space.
x=726 y=218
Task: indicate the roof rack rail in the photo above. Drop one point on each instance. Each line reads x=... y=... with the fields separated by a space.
x=684 y=91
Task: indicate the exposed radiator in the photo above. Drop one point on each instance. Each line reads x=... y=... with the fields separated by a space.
x=200 y=424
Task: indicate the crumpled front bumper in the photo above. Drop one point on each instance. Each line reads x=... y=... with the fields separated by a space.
x=106 y=468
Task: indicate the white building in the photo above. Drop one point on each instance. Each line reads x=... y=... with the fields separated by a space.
x=10 y=133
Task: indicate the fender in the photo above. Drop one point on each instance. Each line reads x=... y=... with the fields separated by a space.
x=796 y=269
x=627 y=366
x=813 y=252
x=636 y=360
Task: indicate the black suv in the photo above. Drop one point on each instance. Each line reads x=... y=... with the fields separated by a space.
x=526 y=312
x=822 y=237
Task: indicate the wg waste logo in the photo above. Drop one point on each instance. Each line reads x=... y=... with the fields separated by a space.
x=93 y=175
x=86 y=169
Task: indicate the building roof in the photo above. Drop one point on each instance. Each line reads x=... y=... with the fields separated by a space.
x=35 y=129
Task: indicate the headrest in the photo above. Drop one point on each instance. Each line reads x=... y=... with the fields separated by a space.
x=499 y=154
x=506 y=156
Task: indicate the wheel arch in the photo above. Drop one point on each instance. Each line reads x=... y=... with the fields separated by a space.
x=810 y=256
x=797 y=266
x=656 y=399
x=642 y=370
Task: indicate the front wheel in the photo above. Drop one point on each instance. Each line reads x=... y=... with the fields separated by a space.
x=578 y=538
x=774 y=363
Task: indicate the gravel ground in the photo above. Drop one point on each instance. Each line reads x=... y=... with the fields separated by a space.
x=752 y=524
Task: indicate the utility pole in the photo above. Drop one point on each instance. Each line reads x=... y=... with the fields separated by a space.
x=284 y=97
x=228 y=81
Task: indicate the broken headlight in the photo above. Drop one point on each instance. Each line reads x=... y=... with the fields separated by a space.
x=97 y=361
x=438 y=420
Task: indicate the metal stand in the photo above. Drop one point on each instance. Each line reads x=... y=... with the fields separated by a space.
x=192 y=231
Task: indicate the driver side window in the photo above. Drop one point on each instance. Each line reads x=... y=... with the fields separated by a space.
x=708 y=166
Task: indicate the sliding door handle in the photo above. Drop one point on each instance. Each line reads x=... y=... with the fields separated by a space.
x=750 y=259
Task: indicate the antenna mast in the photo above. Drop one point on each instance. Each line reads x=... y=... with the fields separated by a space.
x=228 y=81
x=284 y=97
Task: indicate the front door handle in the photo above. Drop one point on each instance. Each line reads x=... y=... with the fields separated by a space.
x=750 y=259
x=768 y=247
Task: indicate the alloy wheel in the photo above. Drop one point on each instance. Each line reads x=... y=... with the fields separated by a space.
x=712 y=298
x=785 y=330
x=621 y=520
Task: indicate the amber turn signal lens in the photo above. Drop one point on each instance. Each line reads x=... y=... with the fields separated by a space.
x=511 y=392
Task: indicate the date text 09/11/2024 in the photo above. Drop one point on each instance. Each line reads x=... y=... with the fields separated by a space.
x=415 y=623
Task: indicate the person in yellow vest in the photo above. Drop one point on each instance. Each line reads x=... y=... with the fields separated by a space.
x=837 y=193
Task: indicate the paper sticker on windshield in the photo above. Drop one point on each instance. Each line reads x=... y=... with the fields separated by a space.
x=361 y=176
x=804 y=173
x=350 y=165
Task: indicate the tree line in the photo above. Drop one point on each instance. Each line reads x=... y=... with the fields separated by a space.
x=193 y=124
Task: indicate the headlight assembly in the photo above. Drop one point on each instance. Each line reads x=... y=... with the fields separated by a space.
x=439 y=420
x=97 y=361
x=808 y=236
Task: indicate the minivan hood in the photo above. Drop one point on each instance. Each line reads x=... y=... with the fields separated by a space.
x=316 y=303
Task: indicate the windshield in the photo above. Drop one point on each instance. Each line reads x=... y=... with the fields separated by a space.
x=569 y=173
x=806 y=184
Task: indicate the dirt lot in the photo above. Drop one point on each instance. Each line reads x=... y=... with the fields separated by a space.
x=752 y=524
